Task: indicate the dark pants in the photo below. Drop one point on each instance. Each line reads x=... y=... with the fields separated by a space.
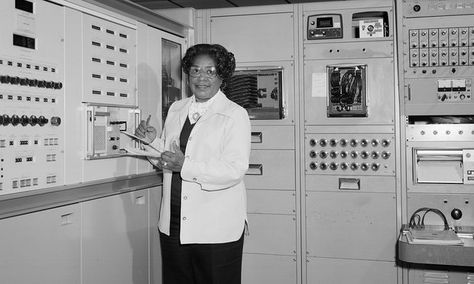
x=201 y=263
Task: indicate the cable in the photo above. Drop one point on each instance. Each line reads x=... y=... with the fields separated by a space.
x=418 y=222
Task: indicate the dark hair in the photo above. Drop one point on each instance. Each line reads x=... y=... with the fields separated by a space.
x=225 y=61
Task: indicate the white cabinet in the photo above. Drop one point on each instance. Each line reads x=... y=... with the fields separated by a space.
x=115 y=239
x=41 y=247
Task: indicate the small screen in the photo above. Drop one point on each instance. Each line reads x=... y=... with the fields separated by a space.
x=24 y=5
x=23 y=41
x=325 y=22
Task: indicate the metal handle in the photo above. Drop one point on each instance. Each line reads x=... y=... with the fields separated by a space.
x=256 y=137
x=255 y=170
x=90 y=133
x=349 y=184
x=409 y=92
x=438 y=155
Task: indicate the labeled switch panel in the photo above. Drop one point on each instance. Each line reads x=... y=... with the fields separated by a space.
x=31 y=97
x=361 y=154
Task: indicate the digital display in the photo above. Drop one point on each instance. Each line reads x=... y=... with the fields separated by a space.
x=23 y=41
x=325 y=22
x=24 y=5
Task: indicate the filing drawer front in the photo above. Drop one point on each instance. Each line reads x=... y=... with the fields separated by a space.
x=273 y=169
x=366 y=184
x=271 y=234
x=351 y=225
x=273 y=137
x=271 y=201
x=326 y=270
x=274 y=269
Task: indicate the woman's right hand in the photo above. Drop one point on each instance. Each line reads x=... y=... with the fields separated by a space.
x=146 y=131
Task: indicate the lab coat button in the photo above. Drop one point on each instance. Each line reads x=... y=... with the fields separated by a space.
x=190 y=138
x=186 y=157
x=185 y=197
x=195 y=179
x=184 y=218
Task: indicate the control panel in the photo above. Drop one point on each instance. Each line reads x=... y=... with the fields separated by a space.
x=328 y=26
x=351 y=154
x=31 y=96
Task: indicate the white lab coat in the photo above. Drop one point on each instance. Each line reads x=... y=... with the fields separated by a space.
x=213 y=198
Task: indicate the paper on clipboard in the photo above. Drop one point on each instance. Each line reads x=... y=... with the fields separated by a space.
x=148 y=144
x=143 y=153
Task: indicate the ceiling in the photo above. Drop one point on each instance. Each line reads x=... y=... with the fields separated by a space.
x=209 y=4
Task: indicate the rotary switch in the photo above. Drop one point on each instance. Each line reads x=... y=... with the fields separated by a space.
x=55 y=120
x=24 y=120
x=42 y=120
x=15 y=120
x=6 y=119
x=33 y=120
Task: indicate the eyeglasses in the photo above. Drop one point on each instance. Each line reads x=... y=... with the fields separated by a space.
x=208 y=71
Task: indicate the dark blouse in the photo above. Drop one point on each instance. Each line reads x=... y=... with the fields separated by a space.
x=176 y=183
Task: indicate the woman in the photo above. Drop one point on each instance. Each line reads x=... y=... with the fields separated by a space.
x=203 y=209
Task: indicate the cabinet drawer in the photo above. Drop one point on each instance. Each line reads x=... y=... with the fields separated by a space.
x=271 y=201
x=271 y=234
x=275 y=269
x=271 y=169
x=273 y=137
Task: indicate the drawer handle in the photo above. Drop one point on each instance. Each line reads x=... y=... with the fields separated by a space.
x=349 y=184
x=255 y=170
x=257 y=137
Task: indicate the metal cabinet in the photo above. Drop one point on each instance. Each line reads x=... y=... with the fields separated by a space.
x=41 y=247
x=115 y=239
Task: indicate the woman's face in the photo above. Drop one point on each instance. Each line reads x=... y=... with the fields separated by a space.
x=203 y=79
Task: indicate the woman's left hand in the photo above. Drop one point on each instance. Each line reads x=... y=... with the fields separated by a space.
x=172 y=160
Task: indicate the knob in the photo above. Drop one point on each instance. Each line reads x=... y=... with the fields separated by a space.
x=364 y=143
x=385 y=155
x=312 y=154
x=333 y=142
x=323 y=154
x=313 y=165
x=24 y=120
x=15 y=120
x=24 y=81
x=385 y=142
x=14 y=80
x=58 y=85
x=33 y=83
x=312 y=142
x=323 y=142
x=354 y=166
x=364 y=167
x=375 y=167
x=6 y=119
x=374 y=142
x=114 y=147
x=354 y=154
x=33 y=120
x=323 y=166
x=343 y=142
x=343 y=166
x=374 y=155
x=333 y=154
x=4 y=79
x=42 y=120
x=364 y=154
x=41 y=83
x=55 y=120
x=343 y=154
x=354 y=142
x=456 y=214
x=333 y=166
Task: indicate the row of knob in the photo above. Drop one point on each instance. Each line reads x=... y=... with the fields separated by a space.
x=352 y=142
x=5 y=79
x=344 y=166
x=25 y=120
x=352 y=154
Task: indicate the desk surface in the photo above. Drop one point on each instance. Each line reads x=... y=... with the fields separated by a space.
x=437 y=254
